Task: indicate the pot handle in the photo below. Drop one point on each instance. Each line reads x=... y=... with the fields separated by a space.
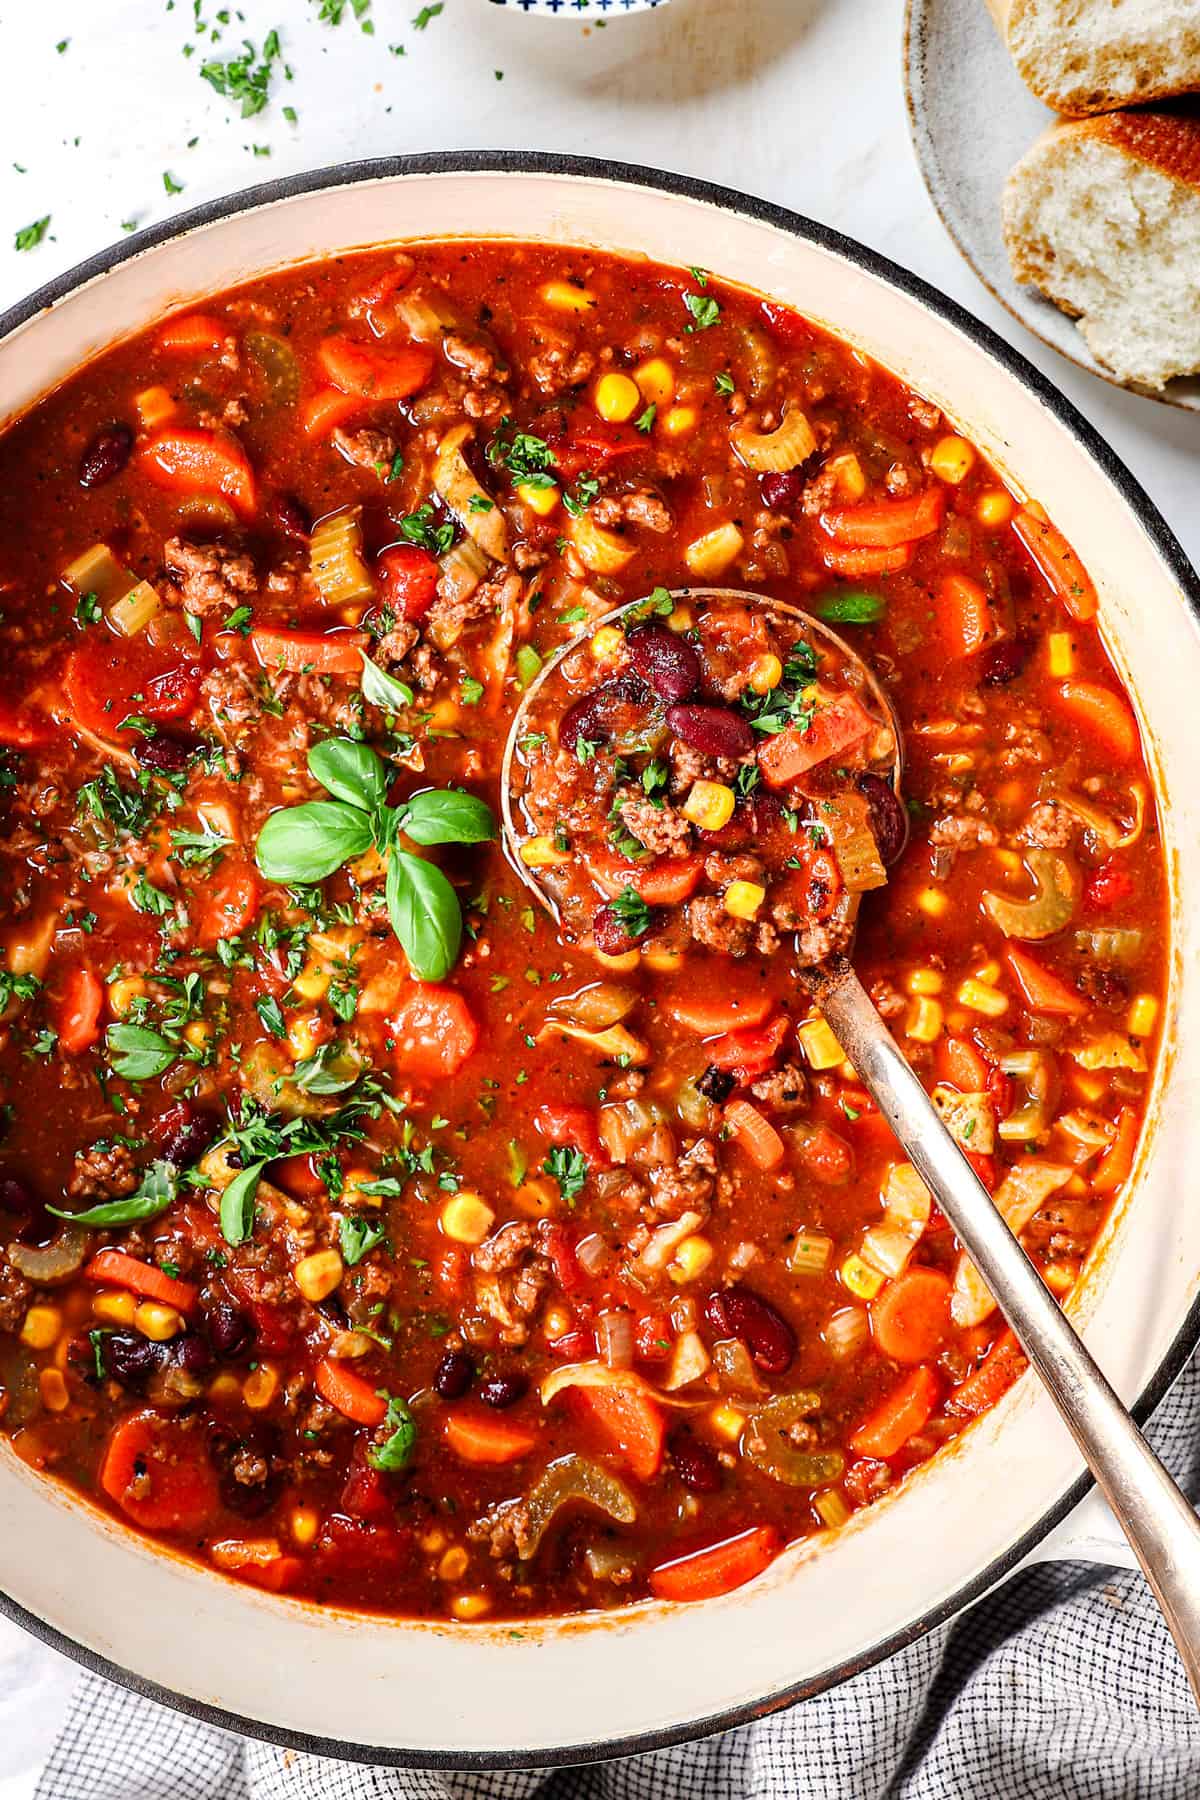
x=1089 y=1533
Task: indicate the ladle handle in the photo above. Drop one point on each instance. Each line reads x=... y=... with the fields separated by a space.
x=1155 y=1516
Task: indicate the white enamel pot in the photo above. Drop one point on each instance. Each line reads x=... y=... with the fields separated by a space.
x=558 y=1692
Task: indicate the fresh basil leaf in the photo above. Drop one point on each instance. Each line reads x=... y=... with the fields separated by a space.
x=137 y=1053
x=237 y=1204
x=307 y=843
x=395 y=1453
x=351 y=772
x=425 y=914
x=444 y=816
x=315 y=1075
x=851 y=609
x=158 y=1188
x=382 y=689
x=358 y=1236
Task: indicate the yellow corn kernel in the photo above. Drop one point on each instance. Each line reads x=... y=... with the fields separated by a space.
x=470 y=1606
x=660 y=958
x=679 y=420
x=1143 y=1016
x=542 y=852
x=617 y=398
x=607 y=644
x=680 y=620
x=860 y=1278
x=556 y=1322
x=41 y=1327
x=312 y=983
x=1060 y=653
x=925 y=1020
x=1008 y=860
x=317 y=1275
x=989 y=972
x=995 y=507
x=821 y=1049
x=260 y=1387
x=53 y=1389
x=742 y=899
x=197 y=1033
x=565 y=296
x=116 y=1306
x=656 y=379
x=454 y=1564
x=467 y=1218
x=624 y=963
x=156 y=1321
x=1060 y=1278
x=123 y=993
x=980 y=997
x=709 y=804
x=1091 y=1087
x=353 y=1183
x=541 y=499
x=851 y=481
x=932 y=901
x=224 y=1389
x=433 y=1541
x=766 y=672
x=952 y=460
x=370 y=866
x=153 y=405
x=925 y=981
x=303 y=1039
x=351 y=615
x=303 y=1525
x=727 y=1422
x=691 y=1259
x=536 y=1198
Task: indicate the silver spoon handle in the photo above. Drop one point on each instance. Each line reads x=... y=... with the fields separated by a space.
x=1154 y=1515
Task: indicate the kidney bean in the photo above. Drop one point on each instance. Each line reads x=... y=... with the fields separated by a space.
x=192 y=1353
x=503 y=1390
x=713 y=730
x=889 y=819
x=289 y=516
x=454 y=1374
x=15 y=1197
x=615 y=707
x=610 y=935
x=741 y=1313
x=228 y=1329
x=165 y=753
x=696 y=1465
x=716 y=1085
x=664 y=659
x=105 y=456
x=130 y=1358
x=187 y=1134
x=1003 y=662
x=781 y=491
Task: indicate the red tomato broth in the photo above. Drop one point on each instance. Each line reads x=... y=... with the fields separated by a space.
x=271 y=1479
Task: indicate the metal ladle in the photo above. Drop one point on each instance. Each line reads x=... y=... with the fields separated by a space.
x=1154 y=1514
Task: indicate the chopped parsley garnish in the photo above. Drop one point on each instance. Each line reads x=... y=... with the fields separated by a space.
x=525 y=458
x=267 y=1008
x=704 y=309
x=419 y=528
x=723 y=382
x=568 y=1166
x=395 y=1452
x=631 y=911
x=646 y=420
x=358 y=1237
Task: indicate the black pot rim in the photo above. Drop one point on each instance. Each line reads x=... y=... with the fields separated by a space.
x=688 y=187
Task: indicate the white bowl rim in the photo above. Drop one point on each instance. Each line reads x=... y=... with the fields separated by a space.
x=1015 y=365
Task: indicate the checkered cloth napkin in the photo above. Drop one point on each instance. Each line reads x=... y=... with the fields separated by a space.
x=1062 y=1685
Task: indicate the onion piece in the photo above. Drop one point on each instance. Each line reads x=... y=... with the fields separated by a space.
x=593 y=1253
x=602 y=1004
x=1110 y=1050
x=471 y=505
x=1112 y=834
x=615 y=1338
x=45 y=1264
x=599 y=1375
x=732 y=1361
x=969 y=1118
x=845 y=1331
x=1111 y=943
x=1027 y=1186
x=667 y=1238
x=690 y=1361
x=1038 y=1072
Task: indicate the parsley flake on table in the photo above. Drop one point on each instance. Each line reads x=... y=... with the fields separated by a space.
x=30 y=236
x=245 y=78
x=428 y=12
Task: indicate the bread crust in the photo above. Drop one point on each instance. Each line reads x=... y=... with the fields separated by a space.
x=1009 y=16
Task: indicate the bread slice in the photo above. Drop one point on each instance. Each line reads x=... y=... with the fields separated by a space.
x=1091 y=56
x=1103 y=215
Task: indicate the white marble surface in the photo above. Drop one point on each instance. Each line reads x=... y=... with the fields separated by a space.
x=800 y=101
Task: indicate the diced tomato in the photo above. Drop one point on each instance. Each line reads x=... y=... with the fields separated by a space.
x=910 y=1319
x=365 y=1492
x=451 y=1269
x=839 y=721
x=729 y=1010
x=560 y=1248
x=225 y=901
x=107 y=679
x=705 y=1574
x=23 y=728
x=666 y=882
x=374 y=374
x=114 y=1268
x=1000 y=1087
x=408 y=578
x=573 y=1346
x=385 y=286
x=362 y=1545
x=985 y=1167
x=1044 y=992
x=298 y=1175
x=827 y=1156
x=434 y=1029
x=900 y=1416
x=475 y=1437
x=80 y=1004
x=627 y=1421
x=564 y=1122
x=322 y=652
x=788 y=326
x=191 y=460
x=592 y=443
x=1111 y=885
x=886 y=523
x=277 y=1574
x=157 y=1471
x=994 y=1376
x=748 y=1053
x=653 y=1336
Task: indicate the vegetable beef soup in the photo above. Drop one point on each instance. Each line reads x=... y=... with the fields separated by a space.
x=368 y=1236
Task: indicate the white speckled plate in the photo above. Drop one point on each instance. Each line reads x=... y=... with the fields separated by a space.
x=972 y=118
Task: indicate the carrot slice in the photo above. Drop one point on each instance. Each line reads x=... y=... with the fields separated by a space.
x=709 y=1014
x=348 y=1393
x=195 y=461
x=1057 y=562
x=325 y=410
x=79 y=1009
x=1114 y=1166
x=886 y=523
x=324 y=653
x=840 y=560
x=476 y=1439
x=994 y=1376
x=1104 y=714
x=157 y=1471
x=1044 y=992
x=899 y=1417
x=911 y=1317
x=837 y=723
x=229 y=901
x=757 y=1136
x=114 y=1268
x=434 y=1029
x=663 y=883
x=193 y=331
x=705 y=1574
x=373 y=374
x=970 y=618
x=959 y=1063
x=630 y=1423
